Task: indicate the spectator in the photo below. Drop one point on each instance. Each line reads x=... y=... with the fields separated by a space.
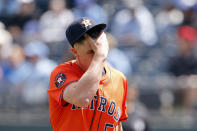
x=184 y=65
x=9 y=7
x=117 y=58
x=54 y=22
x=137 y=112
x=52 y=27
x=29 y=77
x=15 y=23
x=5 y=41
x=31 y=31
x=5 y=46
x=131 y=24
x=90 y=9
x=168 y=18
x=37 y=73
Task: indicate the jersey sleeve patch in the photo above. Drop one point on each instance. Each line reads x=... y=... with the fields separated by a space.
x=60 y=79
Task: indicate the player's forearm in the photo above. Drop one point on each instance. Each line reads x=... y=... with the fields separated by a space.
x=89 y=82
x=94 y=72
x=85 y=89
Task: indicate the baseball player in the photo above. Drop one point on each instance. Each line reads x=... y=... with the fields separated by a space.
x=86 y=94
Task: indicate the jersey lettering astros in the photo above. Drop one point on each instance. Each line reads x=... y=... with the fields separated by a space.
x=105 y=111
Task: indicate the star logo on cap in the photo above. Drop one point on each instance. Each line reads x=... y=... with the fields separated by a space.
x=86 y=22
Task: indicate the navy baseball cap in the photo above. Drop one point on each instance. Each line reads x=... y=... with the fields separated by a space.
x=78 y=28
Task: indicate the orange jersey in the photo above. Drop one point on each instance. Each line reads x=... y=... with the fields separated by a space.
x=105 y=111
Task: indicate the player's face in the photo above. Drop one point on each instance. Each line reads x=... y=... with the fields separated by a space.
x=84 y=53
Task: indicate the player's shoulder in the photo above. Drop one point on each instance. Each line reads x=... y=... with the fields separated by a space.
x=66 y=67
x=63 y=74
x=62 y=66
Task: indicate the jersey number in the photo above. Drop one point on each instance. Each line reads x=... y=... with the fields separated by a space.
x=107 y=125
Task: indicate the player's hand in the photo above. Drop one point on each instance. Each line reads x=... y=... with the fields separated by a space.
x=100 y=46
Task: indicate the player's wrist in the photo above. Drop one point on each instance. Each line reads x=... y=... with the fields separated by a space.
x=102 y=53
x=100 y=57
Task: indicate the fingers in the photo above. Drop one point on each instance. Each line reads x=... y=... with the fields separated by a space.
x=103 y=40
x=103 y=45
x=100 y=45
x=91 y=42
x=89 y=38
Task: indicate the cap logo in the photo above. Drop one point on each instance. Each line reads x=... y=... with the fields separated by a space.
x=86 y=22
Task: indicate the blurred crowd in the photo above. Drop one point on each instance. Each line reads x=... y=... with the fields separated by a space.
x=153 y=42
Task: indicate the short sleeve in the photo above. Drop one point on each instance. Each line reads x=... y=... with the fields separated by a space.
x=124 y=115
x=59 y=80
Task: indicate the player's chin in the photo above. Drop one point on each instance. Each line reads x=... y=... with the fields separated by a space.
x=85 y=66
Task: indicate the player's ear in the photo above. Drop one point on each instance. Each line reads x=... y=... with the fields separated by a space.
x=74 y=51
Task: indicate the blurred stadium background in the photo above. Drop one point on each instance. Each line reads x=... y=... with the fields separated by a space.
x=153 y=42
